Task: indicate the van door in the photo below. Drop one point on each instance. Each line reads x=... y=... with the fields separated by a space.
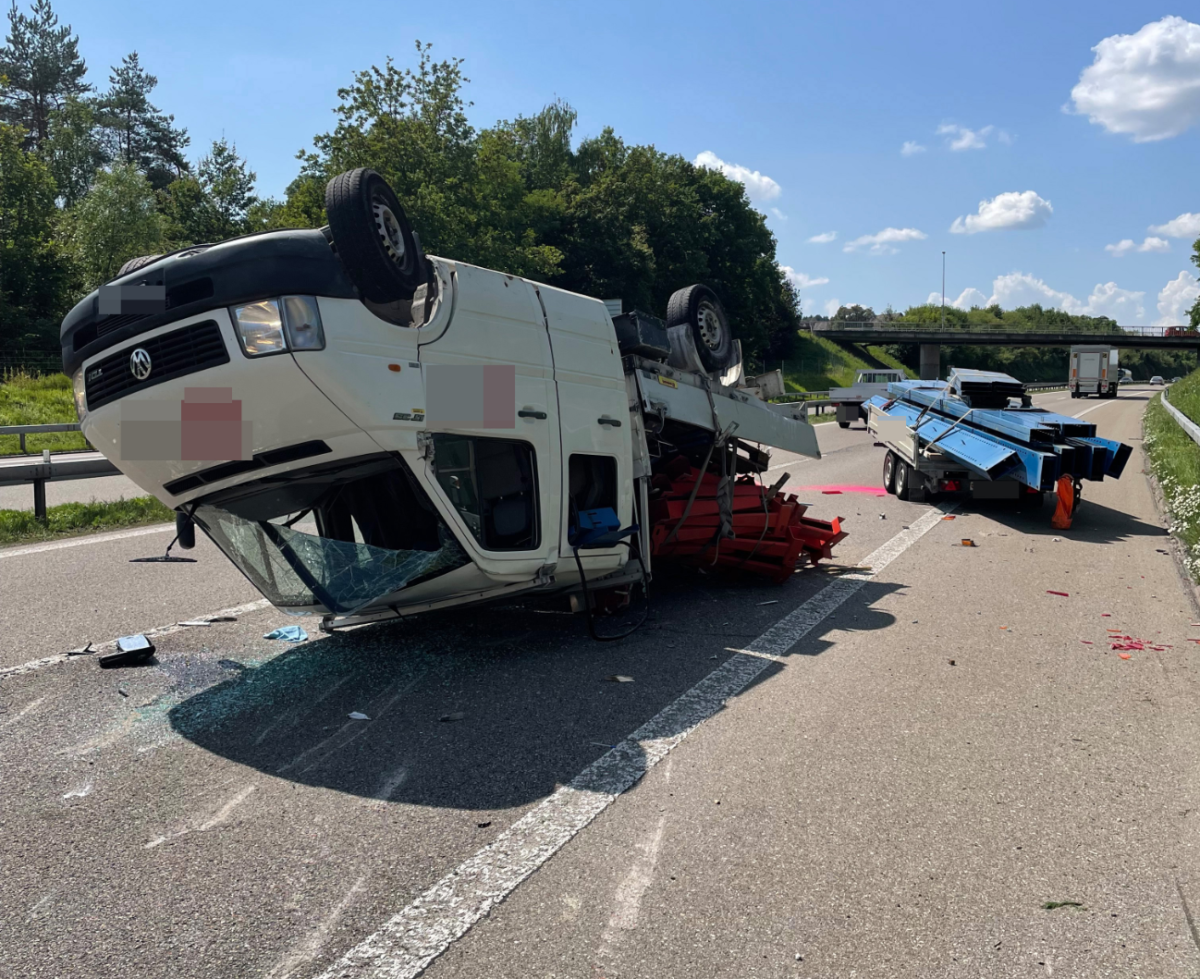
x=492 y=418
x=593 y=416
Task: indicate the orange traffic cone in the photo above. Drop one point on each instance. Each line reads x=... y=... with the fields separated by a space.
x=1066 y=503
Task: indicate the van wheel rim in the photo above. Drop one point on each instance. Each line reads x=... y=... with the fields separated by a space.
x=388 y=229
x=710 y=325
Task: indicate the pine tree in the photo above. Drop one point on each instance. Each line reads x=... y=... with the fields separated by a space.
x=41 y=63
x=137 y=133
x=229 y=185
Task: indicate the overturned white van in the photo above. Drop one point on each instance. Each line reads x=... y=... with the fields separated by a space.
x=366 y=431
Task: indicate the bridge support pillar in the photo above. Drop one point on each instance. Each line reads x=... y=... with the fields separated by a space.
x=931 y=357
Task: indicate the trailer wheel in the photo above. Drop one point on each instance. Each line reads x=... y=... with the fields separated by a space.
x=373 y=237
x=136 y=263
x=889 y=472
x=904 y=475
x=843 y=424
x=697 y=306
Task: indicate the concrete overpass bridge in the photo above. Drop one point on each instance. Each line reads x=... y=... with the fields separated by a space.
x=932 y=337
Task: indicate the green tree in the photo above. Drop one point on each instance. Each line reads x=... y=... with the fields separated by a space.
x=73 y=150
x=41 y=61
x=1194 y=316
x=189 y=215
x=606 y=219
x=858 y=314
x=137 y=133
x=115 y=222
x=229 y=185
x=34 y=275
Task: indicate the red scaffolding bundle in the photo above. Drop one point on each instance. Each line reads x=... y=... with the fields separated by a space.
x=771 y=535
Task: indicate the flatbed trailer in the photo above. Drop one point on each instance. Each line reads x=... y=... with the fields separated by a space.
x=965 y=436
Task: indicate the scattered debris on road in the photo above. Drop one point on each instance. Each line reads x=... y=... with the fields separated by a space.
x=130 y=651
x=1054 y=905
x=85 y=651
x=617 y=678
x=484 y=825
x=289 y=633
x=196 y=622
x=967 y=542
x=358 y=716
x=457 y=715
x=773 y=601
x=1062 y=593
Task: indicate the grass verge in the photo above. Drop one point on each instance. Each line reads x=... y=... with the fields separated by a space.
x=42 y=400
x=820 y=364
x=72 y=519
x=1174 y=459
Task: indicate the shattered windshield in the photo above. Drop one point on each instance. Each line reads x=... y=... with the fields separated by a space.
x=339 y=538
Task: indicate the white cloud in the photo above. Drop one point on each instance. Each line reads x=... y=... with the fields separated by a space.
x=911 y=147
x=1005 y=138
x=881 y=242
x=1127 y=245
x=832 y=306
x=759 y=187
x=824 y=238
x=1177 y=298
x=1185 y=226
x=779 y=214
x=1107 y=299
x=1023 y=209
x=1147 y=84
x=800 y=279
x=967 y=298
x=962 y=138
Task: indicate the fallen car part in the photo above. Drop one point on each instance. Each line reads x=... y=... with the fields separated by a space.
x=130 y=651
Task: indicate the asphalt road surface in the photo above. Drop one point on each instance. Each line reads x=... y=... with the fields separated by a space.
x=884 y=772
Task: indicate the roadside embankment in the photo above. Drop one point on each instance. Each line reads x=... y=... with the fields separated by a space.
x=1174 y=460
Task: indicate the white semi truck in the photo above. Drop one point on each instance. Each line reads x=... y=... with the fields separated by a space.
x=1093 y=370
x=366 y=431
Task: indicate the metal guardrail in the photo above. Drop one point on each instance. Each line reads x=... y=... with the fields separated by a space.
x=1185 y=423
x=872 y=326
x=18 y=472
x=23 y=430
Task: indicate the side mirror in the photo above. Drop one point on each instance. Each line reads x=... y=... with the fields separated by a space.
x=185 y=530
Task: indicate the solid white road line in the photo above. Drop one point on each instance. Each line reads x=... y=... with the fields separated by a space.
x=89 y=539
x=164 y=630
x=408 y=942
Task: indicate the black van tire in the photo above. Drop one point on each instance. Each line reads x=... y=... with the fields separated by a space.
x=372 y=236
x=889 y=471
x=136 y=263
x=904 y=476
x=699 y=308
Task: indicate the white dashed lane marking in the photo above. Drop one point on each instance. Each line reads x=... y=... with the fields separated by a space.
x=409 y=941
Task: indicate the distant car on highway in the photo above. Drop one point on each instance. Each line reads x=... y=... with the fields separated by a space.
x=1176 y=380
x=1157 y=379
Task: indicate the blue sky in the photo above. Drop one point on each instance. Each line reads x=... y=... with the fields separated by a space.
x=1039 y=150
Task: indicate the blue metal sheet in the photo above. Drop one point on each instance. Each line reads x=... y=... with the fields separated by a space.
x=1022 y=424
x=982 y=452
x=1116 y=455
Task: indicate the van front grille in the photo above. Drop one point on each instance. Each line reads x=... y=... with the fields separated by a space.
x=185 y=351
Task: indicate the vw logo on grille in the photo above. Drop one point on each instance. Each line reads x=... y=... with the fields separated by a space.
x=139 y=364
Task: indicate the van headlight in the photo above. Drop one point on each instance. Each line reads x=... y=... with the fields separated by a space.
x=272 y=326
x=77 y=390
